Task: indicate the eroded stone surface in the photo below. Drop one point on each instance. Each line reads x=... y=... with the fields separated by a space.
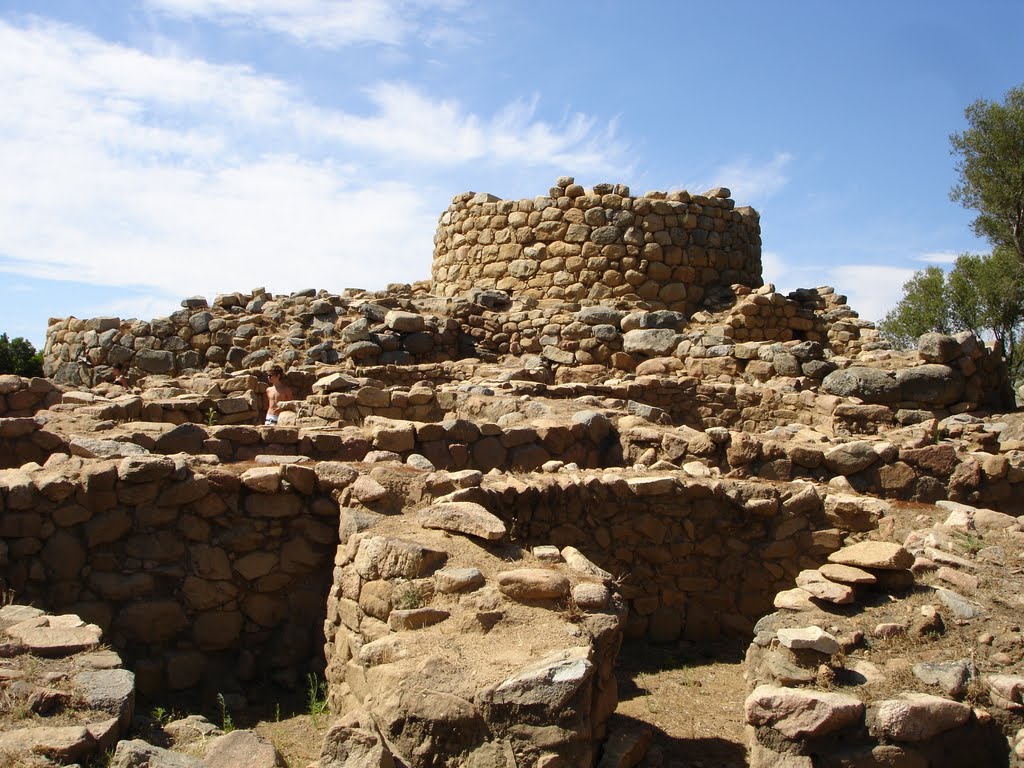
x=801 y=713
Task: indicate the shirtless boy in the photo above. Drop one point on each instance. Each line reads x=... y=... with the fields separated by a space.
x=277 y=392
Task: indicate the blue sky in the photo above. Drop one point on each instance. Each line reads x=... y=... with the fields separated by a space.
x=159 y=149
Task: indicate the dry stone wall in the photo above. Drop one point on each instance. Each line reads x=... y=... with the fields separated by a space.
x=891 y=654
x=426 y=650
x=200 y=576
x=669 y=249
x=247 y=330
x=696 y=559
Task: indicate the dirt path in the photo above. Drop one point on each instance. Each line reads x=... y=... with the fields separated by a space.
x=692 y=695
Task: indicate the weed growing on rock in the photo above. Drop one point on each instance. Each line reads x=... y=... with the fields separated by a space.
x=407 y=598
x=316 y=698
x=161 y=715
x=227 y=723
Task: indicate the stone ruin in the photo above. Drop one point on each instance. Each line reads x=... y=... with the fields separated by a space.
x=595 y=425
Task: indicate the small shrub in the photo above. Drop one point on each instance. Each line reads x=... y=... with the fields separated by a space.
x=227 y=724
x=406 y=598
x=316 y=698
x=970 y=543
x=162 y=715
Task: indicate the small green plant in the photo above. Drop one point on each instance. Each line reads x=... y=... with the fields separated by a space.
x=316 y=698
x=645 y=685
x=162 y=715
x=277 y=712
x=227 y=724
x=973 y=544
x=211 y=417
x=407 y=598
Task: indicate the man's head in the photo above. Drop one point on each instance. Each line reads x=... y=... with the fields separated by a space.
x=276 y=371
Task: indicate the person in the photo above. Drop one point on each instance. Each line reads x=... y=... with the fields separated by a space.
x=277 y=392
x=121 y=375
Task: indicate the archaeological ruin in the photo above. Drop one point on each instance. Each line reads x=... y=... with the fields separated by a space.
x=594 y=426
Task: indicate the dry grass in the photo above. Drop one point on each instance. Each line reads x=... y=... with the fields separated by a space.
x=691 y=695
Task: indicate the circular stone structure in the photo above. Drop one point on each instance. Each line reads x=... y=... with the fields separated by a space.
x=666 y=249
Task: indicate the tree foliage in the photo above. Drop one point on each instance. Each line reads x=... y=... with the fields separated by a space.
x=991 y=168
x=19 y=356
x=924 y=308
x=982 y=293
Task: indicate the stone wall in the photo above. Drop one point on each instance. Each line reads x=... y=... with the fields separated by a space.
x=427 y=650
x=897 y=652
x=202 y=577
x=245 y=331
x=694 y=558
x=671 y=250
x=24 y=397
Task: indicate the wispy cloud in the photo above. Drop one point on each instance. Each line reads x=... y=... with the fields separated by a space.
x=938 y=257
x=872 y=290
x=773 y=268
x=126 y=168
x=751 y=182
x=327 y=23
x=409 y=124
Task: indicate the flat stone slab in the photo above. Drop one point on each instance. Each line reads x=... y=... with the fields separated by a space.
x=464 y=517
x=99 y=660
x=847 y=574
x=800 y=713
x=93 y=448
x=550 y=683
x=915 y=717
x=960 y=606
x=416 y=618
x=797 y=599
x=15 y=614
x=533 y=584
x=56 y=635
x=651 y=486
x=64 y=744
x=449 y=580
x=823 y=589
x=812 y=638
x=880 y=555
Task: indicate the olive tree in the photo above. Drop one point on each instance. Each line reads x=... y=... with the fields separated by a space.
x=991 y=167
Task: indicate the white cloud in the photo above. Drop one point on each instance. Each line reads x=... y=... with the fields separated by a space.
x=773 y=268
x=409 y=124
x=326 y=23
x=938 y=257
x=752 y=183
x=133 y=169
x=872 y=290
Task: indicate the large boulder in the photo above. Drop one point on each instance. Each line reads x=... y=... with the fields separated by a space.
x=938 y=348
x=653 y=342
x=871 y=385
x=932 y=384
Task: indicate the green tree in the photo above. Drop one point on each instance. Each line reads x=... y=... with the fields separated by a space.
x=982 y=293
x=991 y=168
x=20 y=357
x=986 y=294
x=924 y=308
